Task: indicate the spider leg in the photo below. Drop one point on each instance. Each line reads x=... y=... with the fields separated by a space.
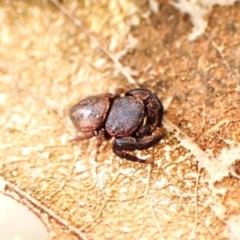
x=87 y=135
x=131 y=144
x=83 y=136
x=129 y=157
x=144 y=130
x=100 y=137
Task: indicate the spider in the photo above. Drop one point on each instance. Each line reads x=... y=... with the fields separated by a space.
x=131 y=119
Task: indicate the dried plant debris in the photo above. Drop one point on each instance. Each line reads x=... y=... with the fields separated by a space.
x=199 y=11
x=54 y=54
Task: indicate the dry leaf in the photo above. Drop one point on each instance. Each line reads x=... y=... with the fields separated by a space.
x=54 y=54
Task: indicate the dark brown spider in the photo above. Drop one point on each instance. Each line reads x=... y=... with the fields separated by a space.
x=131 y=120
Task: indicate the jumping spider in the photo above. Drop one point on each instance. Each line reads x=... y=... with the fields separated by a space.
x=130 y=119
